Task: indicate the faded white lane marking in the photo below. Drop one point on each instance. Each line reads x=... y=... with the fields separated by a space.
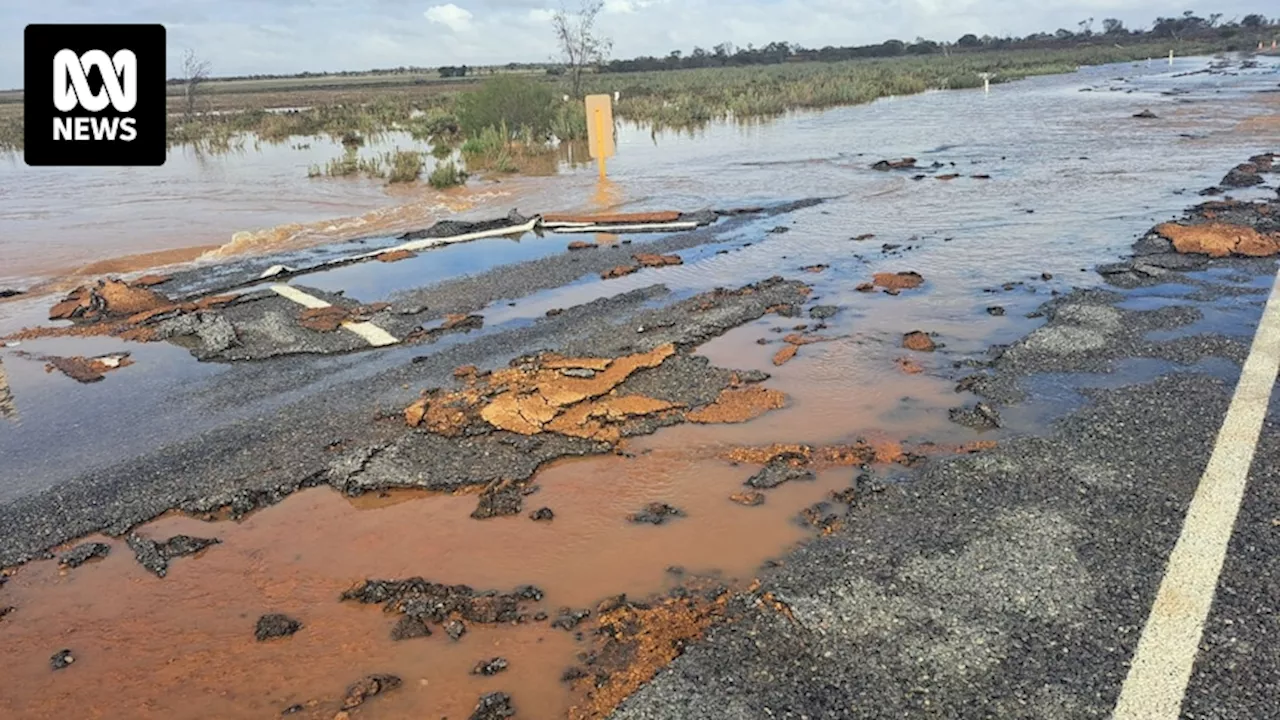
x=425 y=243
x=303 y=299
x=1162 y=665
x=372 y=334
x=639 y=227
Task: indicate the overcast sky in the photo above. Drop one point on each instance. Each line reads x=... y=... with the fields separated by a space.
x=286 y=36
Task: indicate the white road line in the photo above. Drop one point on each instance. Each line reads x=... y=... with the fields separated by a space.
x=425 y=243
x=1162 y=664
x=303 y=299
x=638 y=227
x=372 y=334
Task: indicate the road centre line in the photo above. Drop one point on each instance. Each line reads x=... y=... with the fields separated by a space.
x=372 y=334
x=1162 y=664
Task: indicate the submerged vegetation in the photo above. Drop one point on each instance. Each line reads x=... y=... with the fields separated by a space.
x=397 y=166
x=446 y=175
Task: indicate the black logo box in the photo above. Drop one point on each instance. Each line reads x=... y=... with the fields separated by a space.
x=42 y=43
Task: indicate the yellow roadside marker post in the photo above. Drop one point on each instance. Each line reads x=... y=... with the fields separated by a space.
x=600 y=129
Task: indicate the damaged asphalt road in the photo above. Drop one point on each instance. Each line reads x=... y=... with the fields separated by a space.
x=1016 y=583
x=298 y=419
x=348 y=435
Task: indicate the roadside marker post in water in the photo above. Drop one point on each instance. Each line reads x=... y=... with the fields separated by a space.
x=600 y=128
x=1171 y=57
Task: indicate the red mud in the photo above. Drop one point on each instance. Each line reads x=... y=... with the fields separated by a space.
x=1219 y=240
x=183 y=646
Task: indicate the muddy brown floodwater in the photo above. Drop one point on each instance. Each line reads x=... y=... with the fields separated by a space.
x=184 y=647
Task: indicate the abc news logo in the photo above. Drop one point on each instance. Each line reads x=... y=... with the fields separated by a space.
x=71 y=91
x=94 y=95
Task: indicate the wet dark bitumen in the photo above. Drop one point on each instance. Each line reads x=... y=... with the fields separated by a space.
x=470 y=293
x=777 y=472
x=83 y=553
x=1015 y=582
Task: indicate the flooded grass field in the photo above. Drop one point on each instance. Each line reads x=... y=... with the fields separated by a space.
x=1051 y=176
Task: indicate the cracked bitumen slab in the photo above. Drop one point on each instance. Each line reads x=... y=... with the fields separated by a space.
x=470 y=296
x=246 y=463
x=430 y=461
x=211 y=279
x=1154 y=261
x=464 y=294
x=1011 y=584
x=262 y=324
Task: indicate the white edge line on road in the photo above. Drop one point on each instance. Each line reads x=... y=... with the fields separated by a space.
x=626 y=228
x=1162 y=664
x=533 y=224
x=432 y=242
x=372 y=334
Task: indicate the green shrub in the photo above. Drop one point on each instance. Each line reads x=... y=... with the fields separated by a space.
x=435 y=125
x=406 y=166
x=507 y=101
x=446 y=175
x=570 y=122
x=352 y=164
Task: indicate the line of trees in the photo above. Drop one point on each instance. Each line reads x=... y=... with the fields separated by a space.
x=1188 y=26
x=575 y=32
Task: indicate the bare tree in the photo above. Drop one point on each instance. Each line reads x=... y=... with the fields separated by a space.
x=580 y=45
x=194 y=71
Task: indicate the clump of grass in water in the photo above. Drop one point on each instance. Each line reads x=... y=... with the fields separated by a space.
x=351 y=164
x=446 y=175
x=406 y=166
x=436 y=126
x=490 y=150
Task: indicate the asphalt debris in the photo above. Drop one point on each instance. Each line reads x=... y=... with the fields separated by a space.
x=368 y=687
x=656 y=513
x=275 y=625
x=781 y=469
x=83 y=553
x=493 y=706
x=155 y=556
x=61 y=659
x=569 y=618
x=490 y=667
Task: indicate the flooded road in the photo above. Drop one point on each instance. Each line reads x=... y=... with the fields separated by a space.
x=57 y=221
x=1073 y=178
